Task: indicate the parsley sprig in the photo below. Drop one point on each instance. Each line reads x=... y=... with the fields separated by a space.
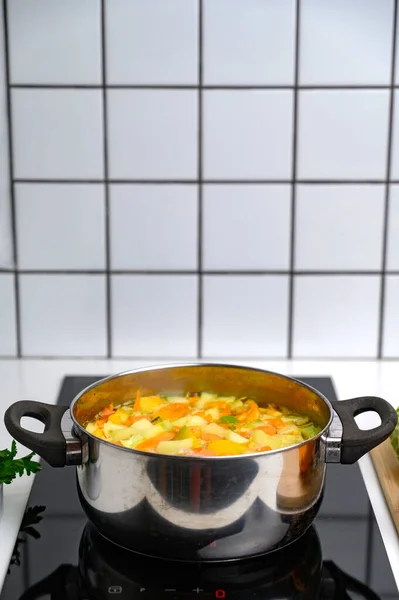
x=10 y=466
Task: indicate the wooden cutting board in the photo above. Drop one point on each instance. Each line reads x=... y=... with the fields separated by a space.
x=386 y=465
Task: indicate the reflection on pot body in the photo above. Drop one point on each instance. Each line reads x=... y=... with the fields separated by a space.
x=216 y=507
x=111 y=480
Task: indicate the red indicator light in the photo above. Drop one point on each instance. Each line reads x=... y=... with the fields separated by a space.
x=220 y=594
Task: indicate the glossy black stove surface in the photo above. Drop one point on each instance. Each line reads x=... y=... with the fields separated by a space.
x=341 y=557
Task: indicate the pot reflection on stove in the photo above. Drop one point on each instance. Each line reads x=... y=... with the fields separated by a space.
x=106 y=571
x=294 y=572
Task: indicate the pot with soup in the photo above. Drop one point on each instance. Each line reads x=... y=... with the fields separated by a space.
x=201 y=462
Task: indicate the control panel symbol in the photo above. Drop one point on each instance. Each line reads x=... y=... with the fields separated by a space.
x=114 y=589
x=198 y=590
x=220 y=594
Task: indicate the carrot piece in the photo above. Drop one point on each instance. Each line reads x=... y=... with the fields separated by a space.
x=205 y=452
x=277 y=423
x=153 y=442
x=268 y=428
x=100 y=423
x=265 y=449
x=251 y=413
x=118 y=443
x=107 y=411
x=137 y=401
x=172 y=411
x=205 y=416
x=132 y=420
x=209 y=437
x=223 y=407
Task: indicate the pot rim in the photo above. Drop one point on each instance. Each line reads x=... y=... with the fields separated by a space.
x=203 y=458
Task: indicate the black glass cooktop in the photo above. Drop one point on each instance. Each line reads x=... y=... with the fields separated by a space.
x=60 y=556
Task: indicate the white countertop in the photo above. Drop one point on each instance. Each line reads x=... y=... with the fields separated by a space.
x=41 y=379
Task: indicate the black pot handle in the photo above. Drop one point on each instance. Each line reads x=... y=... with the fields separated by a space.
x=51 y=444
x=357 y=442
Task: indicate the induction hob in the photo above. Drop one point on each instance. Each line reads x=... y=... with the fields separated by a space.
x=60 y=556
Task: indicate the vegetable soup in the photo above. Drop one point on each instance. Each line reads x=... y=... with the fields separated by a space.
x=201 y=425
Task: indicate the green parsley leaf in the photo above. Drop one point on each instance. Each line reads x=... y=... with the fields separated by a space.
x=10 y=466
x=229 y=419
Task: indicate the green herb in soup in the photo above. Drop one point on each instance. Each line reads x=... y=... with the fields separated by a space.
x=201 y=425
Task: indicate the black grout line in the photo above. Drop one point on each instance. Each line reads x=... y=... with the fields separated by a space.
x=7 y=65
x=291 y=299
x=203 y=181
x=106 y=175
x=207 y=273
x=22 y=181
x=200 y=176
x=174 y=86
x=340 y=182
x=209 y=358
x=339 y=273
x=380 y=345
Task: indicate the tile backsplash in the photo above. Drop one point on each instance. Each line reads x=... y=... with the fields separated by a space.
x=199 y=178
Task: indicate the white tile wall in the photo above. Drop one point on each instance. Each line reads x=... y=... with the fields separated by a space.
x=249 y=42
x=247 y=134
x=397 y=56
x=8 y=343
x=175 y=179
x=146 y=231
x=152 y=134
x=63 y=315
x=161 y=49
x=336 y=316
x=344 y=223
x=246 y=227
x=55 y=42
x=154 y=315
x=342 y=134
x=6 y=242
x=346 y=42
x=60 y=226
x=57 y=133
x=245 y=315
x=391 y=320
x=393 y=230
x=395 y=141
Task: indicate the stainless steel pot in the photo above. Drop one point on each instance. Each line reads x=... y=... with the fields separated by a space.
x=201 y=508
